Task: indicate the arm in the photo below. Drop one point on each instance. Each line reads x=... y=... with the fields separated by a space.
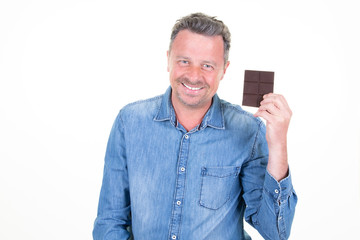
x=277 y=113
x=114 y=203
x=268 y=192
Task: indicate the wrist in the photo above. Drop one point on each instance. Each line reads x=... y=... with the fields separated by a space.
x=278 y=165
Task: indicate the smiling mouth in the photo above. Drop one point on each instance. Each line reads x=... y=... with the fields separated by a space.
x=191 y=88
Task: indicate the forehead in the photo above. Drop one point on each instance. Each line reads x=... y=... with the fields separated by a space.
x=194 y=44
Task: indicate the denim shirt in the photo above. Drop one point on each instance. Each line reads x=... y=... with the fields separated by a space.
x=167 y=183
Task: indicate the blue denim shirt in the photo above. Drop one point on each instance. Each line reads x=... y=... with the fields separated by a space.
x=167 y=183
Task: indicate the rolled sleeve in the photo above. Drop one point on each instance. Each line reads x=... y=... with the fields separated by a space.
x=284 y=198
x=270 y=205
x=280 y=191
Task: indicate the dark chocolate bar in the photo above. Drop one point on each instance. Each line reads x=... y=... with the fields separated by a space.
x=256 y=85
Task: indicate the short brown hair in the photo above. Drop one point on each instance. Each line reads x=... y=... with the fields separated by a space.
x=203 y=24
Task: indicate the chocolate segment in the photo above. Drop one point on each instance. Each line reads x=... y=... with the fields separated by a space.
x=256 y=85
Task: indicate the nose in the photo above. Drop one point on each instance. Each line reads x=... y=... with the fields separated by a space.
x=194 y=74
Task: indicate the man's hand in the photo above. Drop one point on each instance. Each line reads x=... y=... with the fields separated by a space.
x=275 y=110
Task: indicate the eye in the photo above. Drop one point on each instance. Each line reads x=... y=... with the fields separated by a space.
x=207 y=67
x=183 y=62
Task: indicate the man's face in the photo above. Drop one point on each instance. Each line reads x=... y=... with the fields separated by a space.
x=196 y=66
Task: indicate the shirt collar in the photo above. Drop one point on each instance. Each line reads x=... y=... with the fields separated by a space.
x=213 y=118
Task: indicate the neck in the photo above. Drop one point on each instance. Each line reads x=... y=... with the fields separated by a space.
x=189 y=117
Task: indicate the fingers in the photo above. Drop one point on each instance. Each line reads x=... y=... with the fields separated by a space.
x=274 y=107
x=265 y=115
x=275 y=104
x=271 y=108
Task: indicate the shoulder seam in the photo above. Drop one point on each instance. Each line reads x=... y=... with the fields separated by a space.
x=143 y=100
x=240 y=111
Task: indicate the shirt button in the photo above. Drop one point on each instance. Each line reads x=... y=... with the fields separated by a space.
x=182 y=169
x=276 y=191
x=173 y=237
x=178 y=203
x=186 y=136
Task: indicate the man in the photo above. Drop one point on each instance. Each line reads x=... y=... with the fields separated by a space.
x=188 y=165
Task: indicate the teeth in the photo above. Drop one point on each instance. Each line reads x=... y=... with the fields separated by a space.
x=191 y=88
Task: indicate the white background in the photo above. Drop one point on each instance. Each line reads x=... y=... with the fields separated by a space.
x=67 y=67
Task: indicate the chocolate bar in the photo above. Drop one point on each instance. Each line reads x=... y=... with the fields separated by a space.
x=256 y=85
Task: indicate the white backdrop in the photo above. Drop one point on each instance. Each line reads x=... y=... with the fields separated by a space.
x=67 y=67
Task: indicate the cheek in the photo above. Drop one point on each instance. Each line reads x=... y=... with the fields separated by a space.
x=214 y=85
x=215 y=79
x=176 y=72
x=220 y=75
x=173 y=74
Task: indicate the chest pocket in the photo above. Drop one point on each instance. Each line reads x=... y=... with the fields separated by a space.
x=218 y=185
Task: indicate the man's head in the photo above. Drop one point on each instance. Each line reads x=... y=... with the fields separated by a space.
x=197 y=60
x=205 y=25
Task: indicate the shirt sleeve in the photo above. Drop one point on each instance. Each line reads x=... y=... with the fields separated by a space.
x=113 y=217
x=270 y=205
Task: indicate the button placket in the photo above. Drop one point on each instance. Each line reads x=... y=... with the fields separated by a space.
x=179 y=188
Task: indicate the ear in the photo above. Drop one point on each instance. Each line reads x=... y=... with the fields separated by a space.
x=168 y=56
x=225 y=67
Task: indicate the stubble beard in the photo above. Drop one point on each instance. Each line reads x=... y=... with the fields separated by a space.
x=197 y=103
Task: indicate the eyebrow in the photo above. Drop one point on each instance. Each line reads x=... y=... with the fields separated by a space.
x=181 y=57
x=205 y=62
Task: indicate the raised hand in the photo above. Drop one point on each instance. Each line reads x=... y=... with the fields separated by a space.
x=277 y=114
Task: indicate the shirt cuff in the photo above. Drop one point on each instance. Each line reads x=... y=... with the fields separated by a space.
x=278 y=190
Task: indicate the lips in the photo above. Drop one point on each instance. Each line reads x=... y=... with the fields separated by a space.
x=192 y=88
